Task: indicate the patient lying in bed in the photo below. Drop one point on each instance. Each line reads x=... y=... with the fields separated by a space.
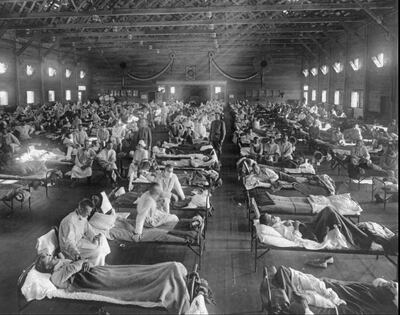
x=306 y=294
x=330 y=230
x=160 y=285
x=146 y=222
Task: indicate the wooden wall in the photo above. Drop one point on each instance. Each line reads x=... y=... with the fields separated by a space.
x=378 y=85
x=281 y=76
x=16 y=82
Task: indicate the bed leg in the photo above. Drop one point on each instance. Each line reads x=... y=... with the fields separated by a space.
x=377 y=257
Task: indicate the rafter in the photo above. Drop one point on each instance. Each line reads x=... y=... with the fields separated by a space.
x=203 y=9
x=180 y=23
x=375 y=17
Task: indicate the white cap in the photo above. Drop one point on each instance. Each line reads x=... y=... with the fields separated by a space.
x=142 y=143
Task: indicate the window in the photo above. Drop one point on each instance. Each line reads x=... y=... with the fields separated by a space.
x=30 y=97
x=217 y=90
x=3 y=68
x=305 y=95
x=52 y=72
x=68 y=73
x=161 y=89
x=82 y=74
x=81 y=87
x=324 y=69
x=337 y=98
x=29 y=70
x=355 y=99
x=52 y=96
x=172 y=89
x=3 y=98
x=67 y=95
x=379 y=60
x=313 y=95
x=80 y=96
x=338 y=67
x=355 y=64
x=314 y=71
x=135 y=93
x=323 y=96
x=306 y=72
x=305 y=88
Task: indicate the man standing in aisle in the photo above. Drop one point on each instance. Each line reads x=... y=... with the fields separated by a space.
x=217 y=134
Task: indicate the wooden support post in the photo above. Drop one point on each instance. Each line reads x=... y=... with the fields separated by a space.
x=367 y=63
x=16 y=72
x=41 y=75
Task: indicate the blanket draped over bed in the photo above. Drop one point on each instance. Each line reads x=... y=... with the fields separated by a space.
x=360 y=298
x=162 y=284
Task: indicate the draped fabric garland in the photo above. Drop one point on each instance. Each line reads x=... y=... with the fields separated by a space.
x=212 y=61
x=155 y=76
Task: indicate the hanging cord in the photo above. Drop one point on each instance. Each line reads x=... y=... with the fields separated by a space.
x=212 y=61
x=155 y=76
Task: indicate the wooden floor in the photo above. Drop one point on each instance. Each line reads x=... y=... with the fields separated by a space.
x=227 y=265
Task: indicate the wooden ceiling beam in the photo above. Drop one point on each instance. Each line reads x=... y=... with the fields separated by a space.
x=180 y=23
x=202 y=9
x=378 y=20
x=137 y=33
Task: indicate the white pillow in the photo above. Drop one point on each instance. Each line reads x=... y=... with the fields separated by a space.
x=37 y=285
x=47 y=243
x=268 y=230
x=344 y=204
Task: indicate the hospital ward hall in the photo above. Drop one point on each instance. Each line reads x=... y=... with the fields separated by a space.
x=199 y=157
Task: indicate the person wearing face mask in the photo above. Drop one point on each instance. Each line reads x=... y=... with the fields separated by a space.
x=169 y=182
x=77 y=238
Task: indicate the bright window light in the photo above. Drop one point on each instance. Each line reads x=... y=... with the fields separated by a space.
x=337 y=97
x=355 y=99
x=306 y=72
x=324 y=69
x=3 y=67
x=30 y=97
x=323 y=96
x=217 y=90
x=82 y=74
x=305 y=88
x=338 y=67
x=52 y=72
x=52 y=96
x=314 y=71
x=161 y=89
x=68 y=73
x=379 y=60
x=29 y=70
x=81 y=87
x=3 y=98
x=355 y=64
x=313 y=95
x=172 y=90
x=135 y=93
x=305 y=95
x=67 y=95
x=80 y=96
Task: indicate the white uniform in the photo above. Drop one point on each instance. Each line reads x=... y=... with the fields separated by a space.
x=76 y=238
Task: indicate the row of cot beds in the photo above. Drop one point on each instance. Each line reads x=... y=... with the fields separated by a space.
x=194 y=213
x=296 y=199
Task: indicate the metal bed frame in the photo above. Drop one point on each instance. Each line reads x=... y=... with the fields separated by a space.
x=266 y=248
x=193 y=280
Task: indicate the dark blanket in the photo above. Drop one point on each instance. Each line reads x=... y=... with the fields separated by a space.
x=327 y=218
x=360 y=298
x=160 y=285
